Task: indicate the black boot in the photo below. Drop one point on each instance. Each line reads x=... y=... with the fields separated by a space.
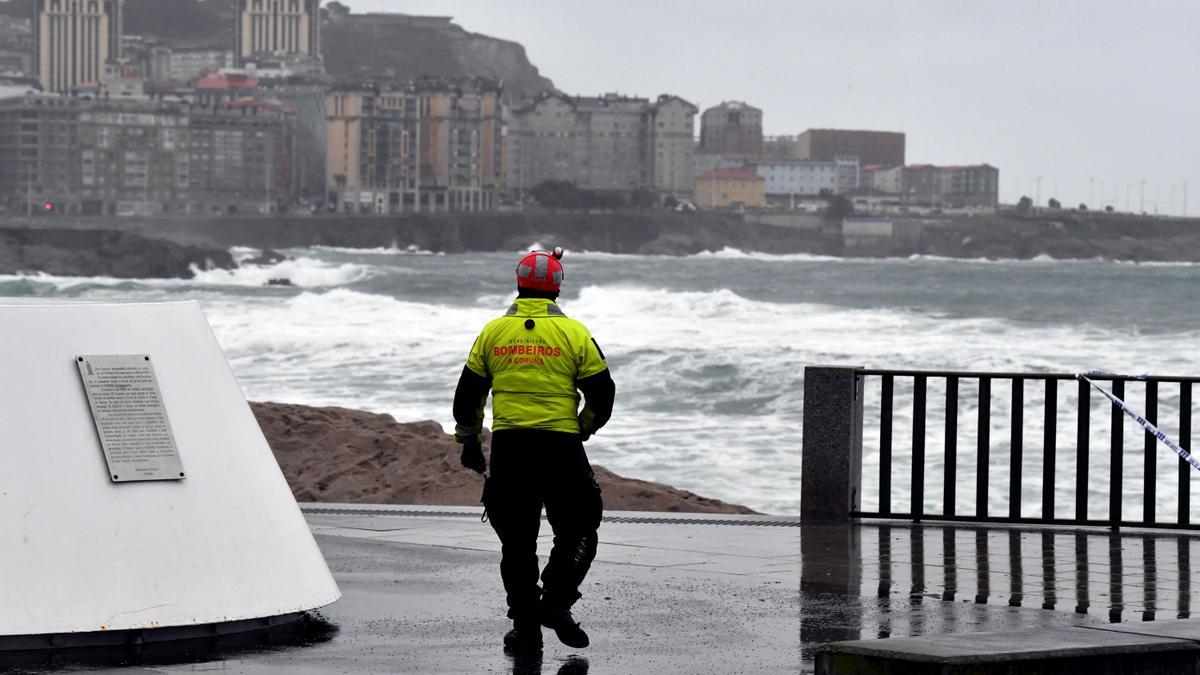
x=563 y=624
x=524 y=636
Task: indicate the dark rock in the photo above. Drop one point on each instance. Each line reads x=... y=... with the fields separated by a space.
x=103 y=253
x=343 y=455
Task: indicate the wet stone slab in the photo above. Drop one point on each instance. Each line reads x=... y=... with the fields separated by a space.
x=1060 y=650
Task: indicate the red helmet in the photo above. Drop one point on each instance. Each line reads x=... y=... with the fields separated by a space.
x=541 y=271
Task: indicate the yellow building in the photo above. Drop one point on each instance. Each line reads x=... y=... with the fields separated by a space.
x=460 y=143
x=724 y=188
x=429 y=145
x=74 y=40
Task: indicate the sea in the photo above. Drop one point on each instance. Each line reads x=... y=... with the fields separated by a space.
x=708 y=352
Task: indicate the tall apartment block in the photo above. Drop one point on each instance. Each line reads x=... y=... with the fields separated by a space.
x=149 y=157
x=39 y=152
x=732 y=128
x=278 y=27
x=74 y=39
x=607 y=142
x=428 y=145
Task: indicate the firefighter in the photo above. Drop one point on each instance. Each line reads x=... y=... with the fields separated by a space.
x=536 y=361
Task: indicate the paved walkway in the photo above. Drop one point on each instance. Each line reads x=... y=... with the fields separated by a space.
x=423 y=594
x=696 y=594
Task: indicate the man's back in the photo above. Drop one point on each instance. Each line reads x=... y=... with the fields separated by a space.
x=534 y=356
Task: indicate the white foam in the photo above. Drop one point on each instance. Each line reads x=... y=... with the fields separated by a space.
x=60 y=283
x=304 y=272
x=709 y=382
x=729 y=253
x=394 y=250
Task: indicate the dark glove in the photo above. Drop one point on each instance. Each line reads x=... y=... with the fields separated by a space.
x=587 y=419
x=472 y=456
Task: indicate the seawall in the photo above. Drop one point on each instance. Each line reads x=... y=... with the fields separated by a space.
x=1056 y=234
x=637 y=232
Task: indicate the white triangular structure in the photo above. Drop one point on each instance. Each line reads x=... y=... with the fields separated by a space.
x=81 y=553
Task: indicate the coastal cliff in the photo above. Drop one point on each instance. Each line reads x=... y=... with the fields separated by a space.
x=341 y=455
x=426 y=46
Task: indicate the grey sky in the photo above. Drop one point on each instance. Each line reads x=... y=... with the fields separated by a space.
x=1071 y=90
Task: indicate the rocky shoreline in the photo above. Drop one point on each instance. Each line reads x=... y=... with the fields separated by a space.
x=104 y=253
x=335 y=454
x=1064 y=235
x=173 y=248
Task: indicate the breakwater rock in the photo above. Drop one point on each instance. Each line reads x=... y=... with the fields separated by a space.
x=340 y=455
x=636 y=232
x=1064 y=235
x=103 y=253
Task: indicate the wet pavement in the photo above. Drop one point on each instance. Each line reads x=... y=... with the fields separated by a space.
x=689 y=594
x=422 y=594
x=900 y=580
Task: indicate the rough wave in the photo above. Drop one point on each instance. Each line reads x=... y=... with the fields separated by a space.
x=708 y=352
x=303 y=272
x=412 y=249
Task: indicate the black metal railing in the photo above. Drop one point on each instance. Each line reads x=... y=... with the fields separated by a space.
x=1017 y=450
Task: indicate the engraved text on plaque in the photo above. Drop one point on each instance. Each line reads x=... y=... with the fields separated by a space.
x=130 y=418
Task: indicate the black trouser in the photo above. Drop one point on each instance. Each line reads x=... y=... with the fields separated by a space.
x=531 y=469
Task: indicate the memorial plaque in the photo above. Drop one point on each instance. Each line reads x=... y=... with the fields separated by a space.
x=130 y=418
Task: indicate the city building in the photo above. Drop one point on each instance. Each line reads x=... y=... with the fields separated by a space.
x=277 y=27
x=731 y=128
x=153 y=156
x=870 y=147
x=610 y=142
x=220 y=88
x=797 y=177
x=186 y=64
x=241 y=158
x=781 y=147
x=428 y=145
x=703 y=163
x=672 y=128
x=888 y=180
x=724 y=188
x=16 y=47
x=131 y=158
x=39 y=153
x=975 y=185
x=74 y=40
x=304 y=97
x=460 y=148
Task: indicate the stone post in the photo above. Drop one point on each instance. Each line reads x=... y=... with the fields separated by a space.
x=831 y=459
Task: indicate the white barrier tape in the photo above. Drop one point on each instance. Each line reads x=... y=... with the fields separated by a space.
x=1153 y=430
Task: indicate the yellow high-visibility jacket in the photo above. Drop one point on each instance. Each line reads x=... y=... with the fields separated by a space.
x=534 y=355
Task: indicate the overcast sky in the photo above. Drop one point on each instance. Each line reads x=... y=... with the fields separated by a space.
x=1080 y=92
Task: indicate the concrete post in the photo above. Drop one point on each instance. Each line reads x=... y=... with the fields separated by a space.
x=831 y=461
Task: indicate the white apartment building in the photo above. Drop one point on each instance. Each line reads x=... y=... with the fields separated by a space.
x=803 y=177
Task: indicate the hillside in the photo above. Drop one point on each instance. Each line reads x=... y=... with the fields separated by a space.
x=390 y=45
x=374 y=45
